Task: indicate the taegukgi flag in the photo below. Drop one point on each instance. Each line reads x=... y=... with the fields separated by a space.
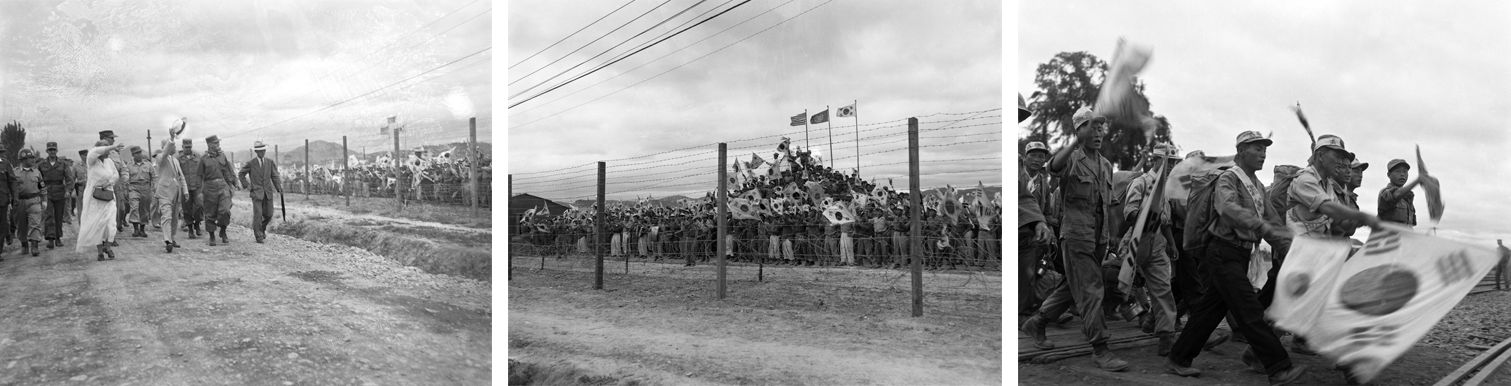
x=1366 y=311
x=845 y=112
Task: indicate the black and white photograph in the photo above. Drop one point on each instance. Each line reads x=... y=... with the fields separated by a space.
x=803 y=192
x=246 y=192
x=1161 y=244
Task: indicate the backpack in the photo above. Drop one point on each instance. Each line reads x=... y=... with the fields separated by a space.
x=1200 y=212
x=1280 y=188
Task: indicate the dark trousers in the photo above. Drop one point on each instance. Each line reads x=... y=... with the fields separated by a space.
x=1028 y=268
x=191 y=208
x=58 y=209
x=217 y=208
x=262 y=214
x=1188 y=288
x=5 y=219
x=1083 y=274
x=1225 y=271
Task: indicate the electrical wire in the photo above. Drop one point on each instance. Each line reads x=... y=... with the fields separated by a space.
x=616 y=10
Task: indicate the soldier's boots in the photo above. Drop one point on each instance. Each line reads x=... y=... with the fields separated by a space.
x=36 y=247
x=193 y=231
x=223 y=239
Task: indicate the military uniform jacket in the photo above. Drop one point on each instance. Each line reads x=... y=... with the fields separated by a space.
x=56 y=176
x=27 y=184
x=216 y=167
x=1085 y=196
x=262 y=178
x=7 y=181
x=80 y=175
x=142 y=175
x=189 y=163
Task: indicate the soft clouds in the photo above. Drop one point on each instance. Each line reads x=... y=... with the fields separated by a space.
x=899 y=59
x=71 y=68
x=1384 y=76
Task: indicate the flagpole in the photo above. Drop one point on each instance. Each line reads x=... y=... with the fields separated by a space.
x=805 y=129
x=831 y=135
x=856 y=112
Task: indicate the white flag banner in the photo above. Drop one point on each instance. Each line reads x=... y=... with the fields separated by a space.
x=1367 y=311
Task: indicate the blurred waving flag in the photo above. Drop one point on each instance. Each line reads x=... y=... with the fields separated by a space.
x=799 y=120
x=1117 y=100
x=1370 y=309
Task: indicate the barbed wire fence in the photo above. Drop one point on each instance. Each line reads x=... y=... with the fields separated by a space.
x=643 y=236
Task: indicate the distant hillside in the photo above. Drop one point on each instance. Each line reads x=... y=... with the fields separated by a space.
x=329 y=153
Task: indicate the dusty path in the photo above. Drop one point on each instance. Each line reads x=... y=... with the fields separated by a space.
x=836 y=326
x=298 y=210
x=287 y=312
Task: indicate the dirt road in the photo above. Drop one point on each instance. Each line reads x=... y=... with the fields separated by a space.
x=288 y=312
x=661 y=324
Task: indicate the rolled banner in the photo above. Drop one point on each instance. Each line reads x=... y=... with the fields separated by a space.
x=1117 y=100
x=1433 y=189
x=1178 y=186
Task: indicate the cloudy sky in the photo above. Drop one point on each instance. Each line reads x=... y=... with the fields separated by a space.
x=899 y=59
x=1383 y=76
x=246 y=70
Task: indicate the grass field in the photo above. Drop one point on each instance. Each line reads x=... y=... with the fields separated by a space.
x=388 y=207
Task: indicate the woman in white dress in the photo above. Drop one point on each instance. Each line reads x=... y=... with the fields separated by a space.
x=97 y=223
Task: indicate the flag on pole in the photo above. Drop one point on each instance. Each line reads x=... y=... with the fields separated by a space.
x=756 y=161
x=1368 y=310
x=820 y=117
x=845 y=112
x=799 y=120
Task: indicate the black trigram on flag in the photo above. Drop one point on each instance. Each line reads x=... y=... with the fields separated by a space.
x=1382 y=242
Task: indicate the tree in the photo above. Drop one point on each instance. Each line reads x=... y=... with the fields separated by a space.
x=1069 y=81
x=12 y=138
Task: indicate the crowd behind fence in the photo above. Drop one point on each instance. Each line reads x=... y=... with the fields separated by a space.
x=459 y=177
x=801 y=211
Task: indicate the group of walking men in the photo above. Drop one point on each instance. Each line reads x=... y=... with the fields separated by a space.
x=41 y=194
x=1065 y=204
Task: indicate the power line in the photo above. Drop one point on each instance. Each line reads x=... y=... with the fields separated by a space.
x=381 y=141
x=631 y=54
x=590 y=43
x=647 y=30
x=677 y=67
x=368 y=93
x=654 y=60
x=380 y=49
x=437 y=35
x=616 y=10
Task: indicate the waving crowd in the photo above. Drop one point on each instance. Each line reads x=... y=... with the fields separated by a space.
x=799 y=213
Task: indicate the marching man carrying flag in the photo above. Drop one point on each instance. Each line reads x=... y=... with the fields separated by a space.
x=1242 y=220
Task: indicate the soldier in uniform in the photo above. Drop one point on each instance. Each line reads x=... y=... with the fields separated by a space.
x=28 y=189
x=141 y=177
x=80 y=178
x=56 y=175
x=218 y=178
x=1086 y=196
x=188 y=163
x=7 y=180
x=262 y=179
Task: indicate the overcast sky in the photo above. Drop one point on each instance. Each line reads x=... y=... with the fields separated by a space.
x=72 y=68
x=1384 y=76
x=899 y=59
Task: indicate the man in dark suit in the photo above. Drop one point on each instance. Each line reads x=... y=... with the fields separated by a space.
x=261 y=176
